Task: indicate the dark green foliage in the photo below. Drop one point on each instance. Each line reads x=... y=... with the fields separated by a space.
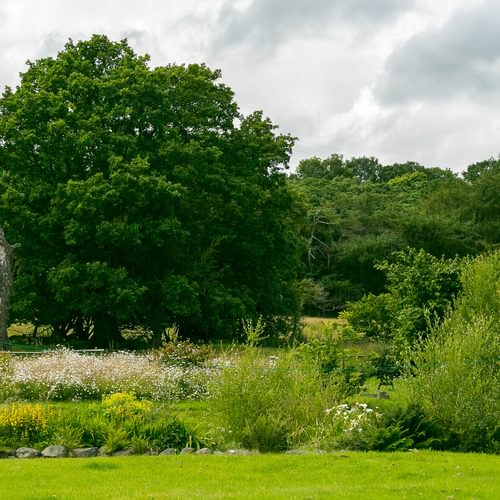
x=421 y=288
x=141 y=197
x=371 y=316
x=402 y=428
x=359 y=213
x=169 y=434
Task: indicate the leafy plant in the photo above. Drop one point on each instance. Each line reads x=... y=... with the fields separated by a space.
x=254 y=331
x=115 y=438
x=123 y=406
x=68 y=435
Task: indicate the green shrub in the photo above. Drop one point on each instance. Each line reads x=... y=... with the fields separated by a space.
x=115 y=438
x=270 y=403
x=421 y=288
x=401 y=428
x=171 y=433
x=67 y=435
x=371 y=316
x=324 y=351
x=456 y=381
x=454 y=376
x=266 y=433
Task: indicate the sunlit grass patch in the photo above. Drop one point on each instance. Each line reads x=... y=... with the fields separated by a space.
x=338 y=475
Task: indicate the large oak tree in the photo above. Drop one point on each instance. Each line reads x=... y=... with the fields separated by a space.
x=141 y=196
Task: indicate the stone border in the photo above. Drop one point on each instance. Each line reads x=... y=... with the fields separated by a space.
x=60 y=451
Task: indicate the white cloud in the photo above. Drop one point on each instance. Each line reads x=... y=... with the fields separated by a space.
x=398 y=79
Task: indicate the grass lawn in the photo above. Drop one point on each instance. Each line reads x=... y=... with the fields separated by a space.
x=341 y=475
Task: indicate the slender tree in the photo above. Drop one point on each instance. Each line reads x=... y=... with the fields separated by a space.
x=6 y=258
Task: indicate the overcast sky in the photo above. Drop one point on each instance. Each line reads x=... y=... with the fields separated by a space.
x=397 y=79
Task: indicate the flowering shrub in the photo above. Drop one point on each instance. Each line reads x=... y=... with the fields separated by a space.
x=347 y=426
x=69 y=375
x=354 y=418
x=124 y=406
x=23 y=423
x=120 y=421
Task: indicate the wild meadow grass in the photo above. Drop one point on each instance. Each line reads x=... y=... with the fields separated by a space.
x=63 y=375
x=350 y=475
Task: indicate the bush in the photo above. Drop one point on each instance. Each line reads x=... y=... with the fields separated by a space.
x=270 y=404
x=346 y=426
x=401 y=428
x=421 y=288
x=371 y=316
x=24 y=424
x=454 y=376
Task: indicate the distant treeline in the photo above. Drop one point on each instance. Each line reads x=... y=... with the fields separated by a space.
x=359 y=213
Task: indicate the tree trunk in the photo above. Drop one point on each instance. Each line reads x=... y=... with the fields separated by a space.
x=106 y=333
x=6 y=260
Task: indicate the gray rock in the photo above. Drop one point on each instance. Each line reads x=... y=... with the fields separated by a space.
x=187 y=451
x=24 y=452
x=103 y=452
x=123 y=453
x=84 y=452
x=204 y=451
x=295 y=452
x=169 y=451
x=241 y=451
x=55 y=451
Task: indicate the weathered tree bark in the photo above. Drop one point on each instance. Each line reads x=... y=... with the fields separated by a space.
x=6 y=260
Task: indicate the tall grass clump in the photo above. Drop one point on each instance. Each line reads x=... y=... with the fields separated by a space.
x=454 y=376
x=270 y=403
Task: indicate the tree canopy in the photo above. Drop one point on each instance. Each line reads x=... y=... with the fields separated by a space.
x=360 y=213
x=141 y=196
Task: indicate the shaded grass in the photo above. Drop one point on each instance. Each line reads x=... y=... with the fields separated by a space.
x=340 y=475
x=315 y=326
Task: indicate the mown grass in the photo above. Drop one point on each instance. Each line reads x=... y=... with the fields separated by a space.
x=342 y=475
